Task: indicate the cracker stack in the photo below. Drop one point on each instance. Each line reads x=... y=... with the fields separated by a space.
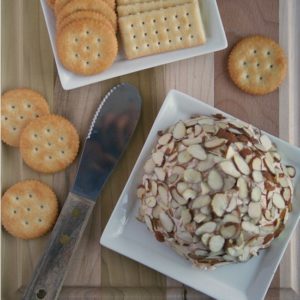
x=149 y=27
x=86 y=34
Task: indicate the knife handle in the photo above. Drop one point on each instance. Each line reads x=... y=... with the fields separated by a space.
x=48 y=277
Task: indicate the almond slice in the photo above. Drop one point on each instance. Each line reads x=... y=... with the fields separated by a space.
x=231 y=218
x=186 y=216
x=206 y=121
x=245 y=255
x=278 y=201
x=191 y=122
x=254 y=210
x=229 y=230
x=150 y=201
x=237 y=123
x=241 y=164
x=286 y=194
x=229 y=168
x=197 y=129
x=257 y=164
x=201 y=201
x=232 y=204
x=166 y=222
x=158 y=158
x=160 y=173
x=192 y=176
x=266 y=142
x=179 y=130
x=153 y=188
x=184 y=236
x=215 y=180
x=178 y=170
x=208 y=227
x=199 y=218
x=177 y=197
x=189 y=194
x=243 y=188
x=149 y=166
x=250 y=227
x=229 y=183
x=223 y=133
x=205 y=165
x=216 y=243
x=257 y=176
x=163 y=193
x=165 y=139
x=192 y=140
x=184 y=157
x=269 y=162
x=219 y=204
x=197 y=151
x=200 y=252
x=214 y=143
x=140 y=192
x=173 y=179
x=156 y=211
x=256 y=194
x=276 y=156
x=291 y=171
x=181 y=187
x=230 y=152
x=283 y=181
x=205 y=238
x=204 y=188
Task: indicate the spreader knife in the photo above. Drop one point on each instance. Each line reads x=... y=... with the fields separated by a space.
x=111 y=128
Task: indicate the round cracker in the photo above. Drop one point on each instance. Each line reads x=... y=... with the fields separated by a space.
x=84 y=14
x=18 y=108
x=86 y=46
x=257 y=65
x=29 y=209
x=59 y=4
x=51 y=3
x=49 y=144
x=111 y=3
x=96 y=5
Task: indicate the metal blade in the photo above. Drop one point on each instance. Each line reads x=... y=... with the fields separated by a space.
x=110 y=131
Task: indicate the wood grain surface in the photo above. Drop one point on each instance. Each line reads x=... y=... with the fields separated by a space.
x=27 y=60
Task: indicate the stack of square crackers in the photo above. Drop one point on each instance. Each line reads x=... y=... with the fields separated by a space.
x=155 y=26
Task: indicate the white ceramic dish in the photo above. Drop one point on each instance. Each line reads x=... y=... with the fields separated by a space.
x=126 y=235
x=216 y=40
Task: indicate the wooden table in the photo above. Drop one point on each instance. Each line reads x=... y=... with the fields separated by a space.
x=98 y=273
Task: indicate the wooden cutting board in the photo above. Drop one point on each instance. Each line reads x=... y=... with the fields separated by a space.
x=27 y=61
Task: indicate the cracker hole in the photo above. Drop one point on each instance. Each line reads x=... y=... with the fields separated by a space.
x=176 y=16
x=181 y=38
x=61 y=138
x=190 y=25
x=98 y=40
x=87 y=32
x=76 y=55
x=76 y=40
x=49 y=144
x=131 y=25
x=154 y=21
x=247 y=76
x=260 y=78
x=40 y=220
x=15 y=211
x=143 y=23
x=167 y=30
x=26 y=223
x=268 y=53
x=254 y=51
x=50 y=157
x=28 y=209
x=17 y=198
x=98 y=54
x=37 y=115
x=35 y=135
x=87 y=63
x=187 y=14
x=41 y=206
x=165 y=18
x=137 y=48
x=271 y=66
x=192 y=36
x=13 y=107
x=134 y=36
x=29 y=105
x=158 y=43
x=87 y=47
x=145 y=34
x=170 y=41
x=148 y=45
x=48 y=130
x=36 y=149
x=14 y=128
x=244 y=63
x=258 y=64
x=156 y=32
x=30 y=195
x=178 y=27
x=21 y=117
x=5 y=118
x=62 y=152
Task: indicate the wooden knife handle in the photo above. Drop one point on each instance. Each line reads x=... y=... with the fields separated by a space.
x=48 y=277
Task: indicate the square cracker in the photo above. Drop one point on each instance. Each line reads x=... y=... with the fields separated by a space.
x=130 y=9
x=122 y=2
x=162 y=30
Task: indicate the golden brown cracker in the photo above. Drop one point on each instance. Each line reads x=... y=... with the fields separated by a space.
x=162 y=30
x=124 y=2
x=29 y=209
x=51 y=3
x=59 y=4
x=131 y=9
x=84 y=14
x=111 y=3
x=96 y=5
x=18 y=108
x=257 y=65
x=49 y=144
x=87 y=46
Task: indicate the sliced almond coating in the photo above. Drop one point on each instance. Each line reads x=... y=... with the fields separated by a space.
x=160 y=173
x=158 y=158
x=257 y=164
x=237 y=123
x=192 y=140
x=181 y=187
x=150 y=201
x=197 y=129
x=208 y=227
x=266 y=142
x=199 y=218
x=166 y=222
x=214 y=143
x=192 y=176
x=229 y=230
x=149 y=166
x=186 y=216
x=250 y=227
x=232 y=204
x=241 y=164
x=206 y=121
x=197 y=151
x=254 y=210
x=165 y=139
x=230 y=152
x=219 y=204
x=283 y=181
x=216 y=243
x=209 y=129
x=204 y=188
x=269 y=162
x=163 y=193
x=184 y=157
x=229 y=168
x=170 y=148
x=173 y=179
x=153 y=188
x=178 y=170
x=179 y=130
x=257 y=176
x=205 y=238
x=231 y=218
x=205 y=165
x=141 y=192
x=229 y=183
x=184 y=236
x=156 y=211
x=177 y=197
x=243 y=187
x=256 y=194
x=215 y=180
x=267 y=229
x=206 y=210
x=189 y=194
x=291 y=171
x=201 y=201
x=148 y=222
x=278 y=201
x=286 y=194
x=234 y=130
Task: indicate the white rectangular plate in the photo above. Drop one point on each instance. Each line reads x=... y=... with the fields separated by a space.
x=126 y=235
x=216 y=40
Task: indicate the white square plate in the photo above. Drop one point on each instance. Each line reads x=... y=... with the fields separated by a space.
x=126 y=235
x=216 y=40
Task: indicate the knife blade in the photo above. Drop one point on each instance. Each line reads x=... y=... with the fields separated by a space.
x=110 y=131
